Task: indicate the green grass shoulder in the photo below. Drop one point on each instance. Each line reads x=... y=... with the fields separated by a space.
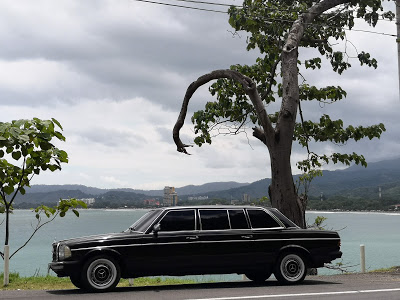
x=56 y=283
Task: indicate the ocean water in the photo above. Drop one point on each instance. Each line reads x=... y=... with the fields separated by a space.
x=379 y=232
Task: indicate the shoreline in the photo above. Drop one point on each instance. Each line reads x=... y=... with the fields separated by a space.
x=392 y=212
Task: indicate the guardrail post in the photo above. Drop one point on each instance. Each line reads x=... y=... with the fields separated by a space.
x=362 y=258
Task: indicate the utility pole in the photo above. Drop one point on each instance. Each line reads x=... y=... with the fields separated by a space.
x=398 y=37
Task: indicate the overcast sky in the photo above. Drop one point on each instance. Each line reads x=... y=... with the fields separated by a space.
x=114 y=74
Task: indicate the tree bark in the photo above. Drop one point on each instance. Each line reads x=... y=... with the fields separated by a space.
x=282 y=191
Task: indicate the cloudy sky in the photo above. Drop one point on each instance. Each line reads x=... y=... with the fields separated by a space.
x=114 y=74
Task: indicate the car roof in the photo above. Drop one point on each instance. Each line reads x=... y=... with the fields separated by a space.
x=212 y=207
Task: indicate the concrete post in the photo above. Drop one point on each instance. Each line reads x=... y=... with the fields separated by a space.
x=6 y=265
x=362 y=256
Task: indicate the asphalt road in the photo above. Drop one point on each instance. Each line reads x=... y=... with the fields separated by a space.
x=353 y=286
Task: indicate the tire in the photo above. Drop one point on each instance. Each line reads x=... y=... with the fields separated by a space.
x=76 y=281
x=258 y=277
x=290 y=269
x=101 y=274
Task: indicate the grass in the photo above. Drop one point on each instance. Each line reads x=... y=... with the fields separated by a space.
x=395 y=269
x=56 y=283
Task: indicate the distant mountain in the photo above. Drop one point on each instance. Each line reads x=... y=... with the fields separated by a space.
x=331 y=183
x=41 y=188
x=31 y=200
x=340 y=181
x=209 y=187
x=256 y=189
x=351 y=182
x=186 y=190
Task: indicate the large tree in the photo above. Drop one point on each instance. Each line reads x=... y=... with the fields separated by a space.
x=278 y=28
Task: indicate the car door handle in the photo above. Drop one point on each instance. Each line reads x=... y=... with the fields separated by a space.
x=192 y=238
x=247 y=236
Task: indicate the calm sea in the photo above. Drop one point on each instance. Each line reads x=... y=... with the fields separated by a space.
x=379 y=232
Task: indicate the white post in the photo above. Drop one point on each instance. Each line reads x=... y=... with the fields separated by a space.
x=6 y=265
x=362 y=256
x=130 y=280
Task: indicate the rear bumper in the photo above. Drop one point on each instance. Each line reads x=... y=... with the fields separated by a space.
x=320 y=260
x=65 y=268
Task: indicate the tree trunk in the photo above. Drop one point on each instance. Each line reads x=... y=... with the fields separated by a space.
x=6 y=274
x=282 y=191
x=7 y=223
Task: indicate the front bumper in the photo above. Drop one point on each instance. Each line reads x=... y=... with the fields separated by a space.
x=65 y=268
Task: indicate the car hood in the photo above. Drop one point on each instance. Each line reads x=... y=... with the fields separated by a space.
x=101 y=238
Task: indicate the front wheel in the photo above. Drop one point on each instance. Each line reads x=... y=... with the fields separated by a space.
x=258 y=276
x=76 y=281
x=101 y=274
x=290 y=268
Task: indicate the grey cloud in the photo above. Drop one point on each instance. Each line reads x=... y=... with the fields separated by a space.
x=115 y=138
x=120 y=60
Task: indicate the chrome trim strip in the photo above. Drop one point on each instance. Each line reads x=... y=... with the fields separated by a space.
x=203 y=242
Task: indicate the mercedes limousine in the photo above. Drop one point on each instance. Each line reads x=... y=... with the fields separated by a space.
x=197 y=240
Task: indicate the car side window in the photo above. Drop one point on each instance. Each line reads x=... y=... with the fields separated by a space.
x=261 y=219
x=238 y=219
x=214 y=219
x=178 y=220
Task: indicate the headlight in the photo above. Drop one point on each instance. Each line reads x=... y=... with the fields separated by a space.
x=63 y=252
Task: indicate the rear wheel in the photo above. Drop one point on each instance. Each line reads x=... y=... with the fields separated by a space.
x=291 y=268
x=101 y=273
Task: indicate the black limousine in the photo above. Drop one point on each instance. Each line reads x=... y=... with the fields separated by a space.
x=197 y=240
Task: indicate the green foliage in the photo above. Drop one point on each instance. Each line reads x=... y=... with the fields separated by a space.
x=263 y=201
x=318 y=223
x=63 y=206
x=303 y=182
x=26 y=149
x=267 y=24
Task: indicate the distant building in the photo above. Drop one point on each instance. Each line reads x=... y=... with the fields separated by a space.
x=395 y=207
x=88 y=201
x=170 y=196
x=151 y=202
x=246 y=198
x=198 y=198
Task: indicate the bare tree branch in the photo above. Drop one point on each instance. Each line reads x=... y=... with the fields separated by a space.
x=38 y=226
x=249 y=87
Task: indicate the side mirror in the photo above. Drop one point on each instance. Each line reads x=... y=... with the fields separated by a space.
x=156 y=229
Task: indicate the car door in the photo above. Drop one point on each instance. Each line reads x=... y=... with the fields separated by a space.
x=225 y=240
x=268 y=234
x=174 y=245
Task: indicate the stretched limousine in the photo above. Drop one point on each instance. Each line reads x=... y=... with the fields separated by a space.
x=197 y=240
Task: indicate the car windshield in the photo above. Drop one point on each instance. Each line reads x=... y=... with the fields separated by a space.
x=144 y=222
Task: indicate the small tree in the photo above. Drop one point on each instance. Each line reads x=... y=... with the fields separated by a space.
x=278 y=28
x=26 y=150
